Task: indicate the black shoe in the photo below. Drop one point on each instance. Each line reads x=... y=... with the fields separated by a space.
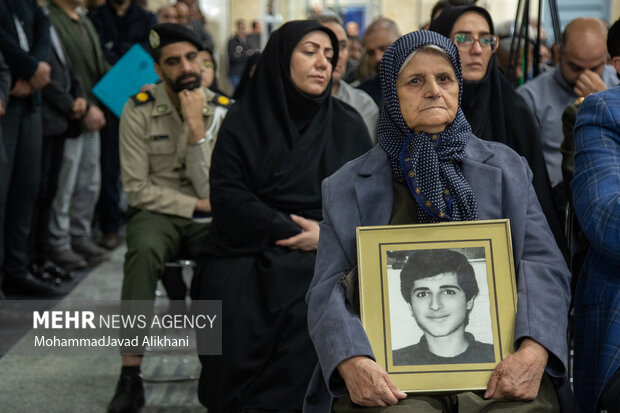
x=110 y=240
x=39 y=272
x=28 y=284
x=129 y=396
x=57 y=271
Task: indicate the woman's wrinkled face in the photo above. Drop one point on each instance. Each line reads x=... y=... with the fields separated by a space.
x=474 y=57
x=428 y=92
x=311 y=63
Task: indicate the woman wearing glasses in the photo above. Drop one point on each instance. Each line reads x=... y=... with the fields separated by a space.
x=490 y=104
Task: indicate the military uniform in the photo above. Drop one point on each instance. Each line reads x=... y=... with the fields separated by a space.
x=163 y=177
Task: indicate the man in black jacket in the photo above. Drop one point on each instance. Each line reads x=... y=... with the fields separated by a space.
x=25 y=44
x=120 y=24
x=64 y=106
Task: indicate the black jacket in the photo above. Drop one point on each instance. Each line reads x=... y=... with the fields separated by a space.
x=58 y=97
x=119 y=34
x=36 y=25
x=5 y=81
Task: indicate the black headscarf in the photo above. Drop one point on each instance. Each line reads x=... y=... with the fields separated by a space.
x=492 y=107
x=497 y=113
x=428 y=163
x=272 y=83
x=275 y=147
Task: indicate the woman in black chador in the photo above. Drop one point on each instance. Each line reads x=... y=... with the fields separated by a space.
x=491 y=106
x=277 y=144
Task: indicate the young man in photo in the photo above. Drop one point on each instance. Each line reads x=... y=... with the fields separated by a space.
x=440 y=288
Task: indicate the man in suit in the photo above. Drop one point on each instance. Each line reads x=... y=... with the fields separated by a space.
x=596 y=197
x=25 y=44
x=64 y=106
x=5 y=84
x=120 y=25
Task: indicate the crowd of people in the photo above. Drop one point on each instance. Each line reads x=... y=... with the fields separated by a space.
x=327 y=131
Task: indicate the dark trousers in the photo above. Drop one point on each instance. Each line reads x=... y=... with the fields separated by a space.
x=610 y=396
x=51 y=161
x=109 y=210
x=19 y=183
x=152 y=240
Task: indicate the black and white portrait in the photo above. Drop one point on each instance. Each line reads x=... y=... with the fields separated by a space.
x=439 y=307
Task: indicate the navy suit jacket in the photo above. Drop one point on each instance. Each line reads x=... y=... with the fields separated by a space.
x=361 y=193
x=36 y=26
x=596 y=196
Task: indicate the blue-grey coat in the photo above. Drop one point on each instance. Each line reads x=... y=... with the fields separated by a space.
x=361 y=194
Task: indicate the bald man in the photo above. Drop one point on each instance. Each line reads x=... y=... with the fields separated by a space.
x=167 y=14
x=358 y=99
x=582 y=70
x=378 y=37
x=182 y=12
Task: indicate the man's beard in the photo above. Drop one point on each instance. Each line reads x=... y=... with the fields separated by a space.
x=187 y=81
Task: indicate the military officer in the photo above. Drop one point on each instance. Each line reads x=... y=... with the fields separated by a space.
x=167 y=136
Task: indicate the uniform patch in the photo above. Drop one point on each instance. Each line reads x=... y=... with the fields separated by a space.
x=222 y=101
x=142 y=98
x=154 y=40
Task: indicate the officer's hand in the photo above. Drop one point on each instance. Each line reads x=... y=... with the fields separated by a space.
x=307 y=240
x=368 y=383
x=203 y=205
x=94 y=119
x=192 y=102
x=79 y=108
x=21 y=89
x=41 y=76
x=518 y=376
x=588 y=82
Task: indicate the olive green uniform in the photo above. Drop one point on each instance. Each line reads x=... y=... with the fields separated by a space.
x=163 y=177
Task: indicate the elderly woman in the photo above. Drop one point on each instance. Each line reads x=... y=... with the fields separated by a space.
x=277 y=144
x=429 y=167
x=491 y=106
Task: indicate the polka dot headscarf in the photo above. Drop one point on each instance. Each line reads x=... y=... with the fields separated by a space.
x=430 y=164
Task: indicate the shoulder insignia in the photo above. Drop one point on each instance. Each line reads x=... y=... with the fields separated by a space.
x=579 y=100
x=221 y=100
x=142 y=98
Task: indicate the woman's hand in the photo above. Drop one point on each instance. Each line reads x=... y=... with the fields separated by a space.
x=308 y=240
x=518 y=376
x=368 y=383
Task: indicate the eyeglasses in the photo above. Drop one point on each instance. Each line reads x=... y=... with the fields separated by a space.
x=467 y=40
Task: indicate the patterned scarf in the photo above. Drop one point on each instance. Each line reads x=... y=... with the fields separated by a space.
x=429 y=163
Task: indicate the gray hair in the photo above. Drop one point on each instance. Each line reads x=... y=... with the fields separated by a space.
x=328 y=18
x=427 y=47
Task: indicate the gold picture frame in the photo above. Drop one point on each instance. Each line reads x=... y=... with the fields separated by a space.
x=390 y=320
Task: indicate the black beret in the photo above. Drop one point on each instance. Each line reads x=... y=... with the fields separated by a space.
x=167 y=33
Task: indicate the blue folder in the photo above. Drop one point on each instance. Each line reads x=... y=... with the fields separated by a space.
x=125 y=79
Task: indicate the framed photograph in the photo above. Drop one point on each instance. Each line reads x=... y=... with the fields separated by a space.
x=438 y=301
